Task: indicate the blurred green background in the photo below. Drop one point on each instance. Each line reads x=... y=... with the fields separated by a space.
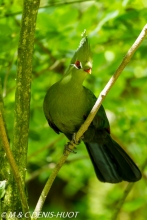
x=112 y=27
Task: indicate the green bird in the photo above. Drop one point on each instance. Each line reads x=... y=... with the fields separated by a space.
x=67 y=105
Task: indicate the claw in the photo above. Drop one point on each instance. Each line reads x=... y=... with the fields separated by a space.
x=68 y=149
x=74 y=139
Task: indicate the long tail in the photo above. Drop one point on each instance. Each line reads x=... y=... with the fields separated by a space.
x=111 y=163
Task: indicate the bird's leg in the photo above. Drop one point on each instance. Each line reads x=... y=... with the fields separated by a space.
x=74 y=139
x=75 y=142
x=67 y=148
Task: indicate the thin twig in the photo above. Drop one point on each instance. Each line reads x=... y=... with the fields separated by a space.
x=51 y=166
x=121 y=202
x=66 y=3
x=13 y=166
x=39 y=171
x=52 y=4
x=125 y=194
x=46 y=147
x=89 y=119
x=48 y=184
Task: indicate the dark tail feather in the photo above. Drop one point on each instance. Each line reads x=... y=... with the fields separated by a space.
x=111 y=163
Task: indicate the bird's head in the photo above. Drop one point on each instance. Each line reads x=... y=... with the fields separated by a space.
x=81 y=63
x=82 y=57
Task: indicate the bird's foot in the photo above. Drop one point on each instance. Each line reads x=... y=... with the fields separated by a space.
x=75 y=141
x=67 y=148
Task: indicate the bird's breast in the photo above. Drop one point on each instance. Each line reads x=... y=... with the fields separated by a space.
x=67 y=108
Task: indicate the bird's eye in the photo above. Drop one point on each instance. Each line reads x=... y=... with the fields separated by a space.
x=78 y=64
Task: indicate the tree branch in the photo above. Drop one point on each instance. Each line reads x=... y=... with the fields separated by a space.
x=5 y=171
x=111 y=82
x=22 y=103
x=23 y=84
x=89 y=119
x=14 y=167
x=48 y=184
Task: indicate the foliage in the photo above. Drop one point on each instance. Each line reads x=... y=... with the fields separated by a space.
x=112 y=27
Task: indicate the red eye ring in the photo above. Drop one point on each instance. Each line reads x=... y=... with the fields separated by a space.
x=78 y=64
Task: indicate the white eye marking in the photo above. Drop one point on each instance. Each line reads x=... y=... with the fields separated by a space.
x=77 y=65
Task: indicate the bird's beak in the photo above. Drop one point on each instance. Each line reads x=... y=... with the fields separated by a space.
x=88 y=67
x=88 y=70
